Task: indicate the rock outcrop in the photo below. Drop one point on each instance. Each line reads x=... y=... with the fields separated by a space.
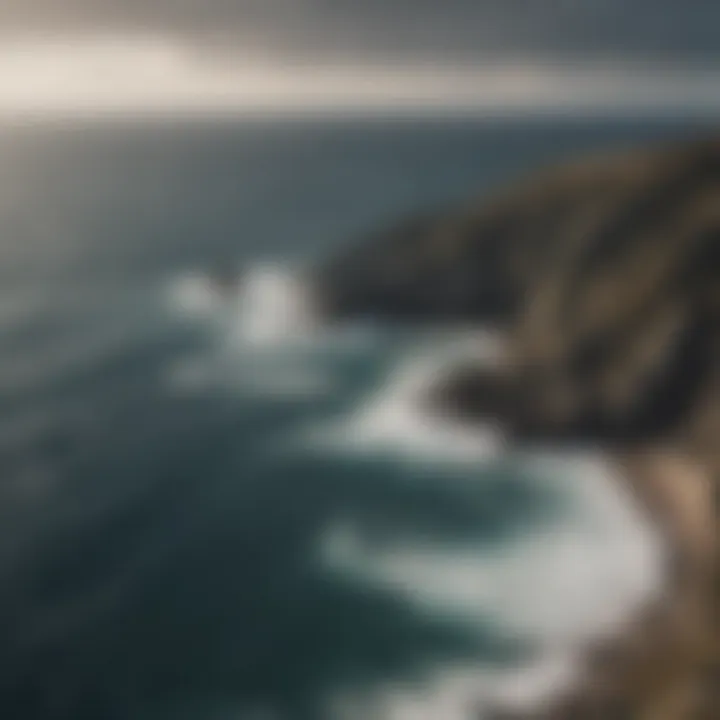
x=605 y=276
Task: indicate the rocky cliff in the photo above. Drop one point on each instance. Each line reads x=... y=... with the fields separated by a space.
x=605 y=277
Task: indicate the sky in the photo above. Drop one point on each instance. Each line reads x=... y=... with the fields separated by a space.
x=60 y=55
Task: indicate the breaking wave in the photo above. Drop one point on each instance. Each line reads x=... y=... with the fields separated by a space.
x=580 y=579
x=268 y=340
x=577 y=579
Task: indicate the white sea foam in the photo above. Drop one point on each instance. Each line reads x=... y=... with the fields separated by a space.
x=579 y=580
x=394 y=420
x=269 y=303
x=273 y=305
x=268 y=341
x=583 y=574
x=573 y=582
x=459 y=692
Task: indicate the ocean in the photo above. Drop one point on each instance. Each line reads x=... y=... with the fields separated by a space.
x=213 y=511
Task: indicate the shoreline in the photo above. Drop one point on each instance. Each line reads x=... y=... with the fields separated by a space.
x=662 y=667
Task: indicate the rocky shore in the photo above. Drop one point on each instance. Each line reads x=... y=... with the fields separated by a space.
x=605 y=279
x=663 y=666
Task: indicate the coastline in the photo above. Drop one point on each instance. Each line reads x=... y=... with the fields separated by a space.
x=603 y=273
x=665 y=665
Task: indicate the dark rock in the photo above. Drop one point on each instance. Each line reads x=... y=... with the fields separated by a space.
x=606 y=275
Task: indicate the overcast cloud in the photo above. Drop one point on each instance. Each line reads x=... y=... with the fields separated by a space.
x=397 y=31
x=70 y=56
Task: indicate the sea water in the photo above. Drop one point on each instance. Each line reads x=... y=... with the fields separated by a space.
x=215 y=507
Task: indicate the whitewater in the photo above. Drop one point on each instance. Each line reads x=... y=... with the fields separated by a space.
x=555 y=588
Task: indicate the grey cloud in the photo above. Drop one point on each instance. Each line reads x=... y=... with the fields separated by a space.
x=456 y=30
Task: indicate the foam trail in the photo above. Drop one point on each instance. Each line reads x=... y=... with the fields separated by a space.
x=395 y=420
x=460 y=692
x=582 y=574
x=580 y=580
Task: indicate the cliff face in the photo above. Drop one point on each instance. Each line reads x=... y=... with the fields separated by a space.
x=617 y=337
x=467 y=264
x=476 y=261
x=426 y=269
x=606 y=275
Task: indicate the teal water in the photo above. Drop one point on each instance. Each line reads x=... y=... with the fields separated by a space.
x=172 y=543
